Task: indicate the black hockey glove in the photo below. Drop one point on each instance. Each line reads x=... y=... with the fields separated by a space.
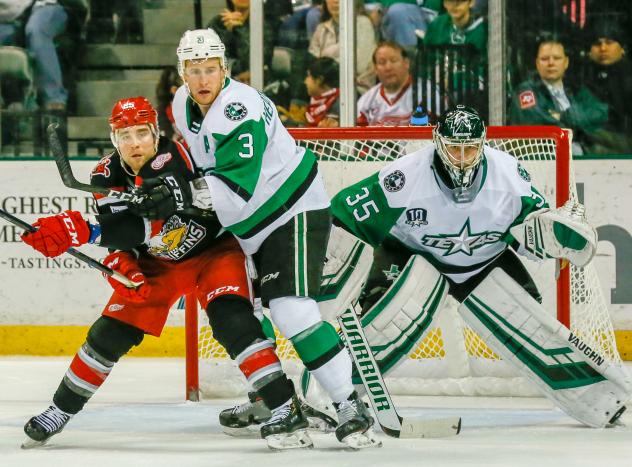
x=162 y=197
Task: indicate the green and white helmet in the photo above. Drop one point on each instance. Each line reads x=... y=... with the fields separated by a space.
x=459 y=138
x=199 y=45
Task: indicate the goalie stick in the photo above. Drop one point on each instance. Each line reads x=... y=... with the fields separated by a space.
x=93 y=263
x=389 y=420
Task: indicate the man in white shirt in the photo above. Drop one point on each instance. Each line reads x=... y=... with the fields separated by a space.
x=390 y=102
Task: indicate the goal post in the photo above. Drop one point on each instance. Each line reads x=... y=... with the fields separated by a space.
x=452 y=359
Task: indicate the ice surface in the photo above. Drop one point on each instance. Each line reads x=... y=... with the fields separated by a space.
x=138 y=418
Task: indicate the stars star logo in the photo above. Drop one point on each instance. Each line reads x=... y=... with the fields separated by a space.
x=462 y=242
x=392 y=273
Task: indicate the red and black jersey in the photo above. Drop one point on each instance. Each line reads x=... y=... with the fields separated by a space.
x=180 y=236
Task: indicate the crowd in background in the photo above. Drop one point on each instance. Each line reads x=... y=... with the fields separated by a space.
x=567 y=66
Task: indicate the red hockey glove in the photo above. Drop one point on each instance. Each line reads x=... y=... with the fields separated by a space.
x=55 y=234
x=126 y=264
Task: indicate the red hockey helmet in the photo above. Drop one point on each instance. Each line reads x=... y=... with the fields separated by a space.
x=133 y=111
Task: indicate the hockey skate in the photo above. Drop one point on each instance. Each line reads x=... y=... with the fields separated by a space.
x=354 y=424
x=287 y=428
x=244 y=420
x=44 y=426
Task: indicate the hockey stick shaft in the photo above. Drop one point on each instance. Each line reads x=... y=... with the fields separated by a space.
x=68 y=177
x=390 y=421
x=93 y=263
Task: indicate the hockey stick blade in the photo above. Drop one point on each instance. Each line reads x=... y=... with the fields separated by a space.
x=68 y=177
x=93 y=263
x=389 y=420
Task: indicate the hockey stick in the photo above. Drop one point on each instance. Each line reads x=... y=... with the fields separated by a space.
x=67 y=176
x=390 y=421
x=93 y=263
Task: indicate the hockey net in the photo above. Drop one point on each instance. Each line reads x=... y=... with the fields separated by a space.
x=452 y=359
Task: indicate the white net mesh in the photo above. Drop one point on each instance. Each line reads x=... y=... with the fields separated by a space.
x=452 y=359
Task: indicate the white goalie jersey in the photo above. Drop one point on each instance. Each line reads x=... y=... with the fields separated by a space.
x=407 y=203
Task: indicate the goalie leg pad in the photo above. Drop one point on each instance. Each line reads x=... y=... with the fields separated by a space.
x=347 y=266
x=567 y=368
x=401 y=318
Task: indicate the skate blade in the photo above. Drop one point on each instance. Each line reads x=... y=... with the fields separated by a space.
x=30 y=443
x=357 y=441
x=250 y=431
x=297 y=440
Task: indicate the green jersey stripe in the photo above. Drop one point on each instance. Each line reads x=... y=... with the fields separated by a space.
x=288 y=194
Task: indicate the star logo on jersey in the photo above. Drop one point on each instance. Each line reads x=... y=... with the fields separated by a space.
x=463 y=242
x=394 y=181
x=392 y=273
x=523 y=173
x=235 y=111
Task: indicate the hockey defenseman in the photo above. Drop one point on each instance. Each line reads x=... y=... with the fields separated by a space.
x=268 y=192
x=187 y=252
x=445 y=220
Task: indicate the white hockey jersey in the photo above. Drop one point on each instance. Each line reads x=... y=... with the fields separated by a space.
x=376 y=108
x=407 y=203
x=258 y=176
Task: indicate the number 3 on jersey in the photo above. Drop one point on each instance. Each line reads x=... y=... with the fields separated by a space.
x=248 y=150
x=362 y=212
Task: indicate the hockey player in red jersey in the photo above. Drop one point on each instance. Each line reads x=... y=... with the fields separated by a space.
x=185 y=253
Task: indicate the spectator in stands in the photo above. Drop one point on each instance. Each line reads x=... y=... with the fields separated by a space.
x=117 y=21
x=233 y=27
x=41 y=22
x=166 y=88
x=403 y=21
x=458 y=25
x=608 y=74
x=547 y=99
x=322 y=86
x=390 y=102
x=324 y=42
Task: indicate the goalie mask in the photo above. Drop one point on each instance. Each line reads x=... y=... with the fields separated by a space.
x=131 y=112
x=459 y=138
x=199 y=45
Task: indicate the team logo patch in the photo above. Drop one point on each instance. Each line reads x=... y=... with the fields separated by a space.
x=235 y=111
x=527 y=99
x=102 y=168
x=115 y=307
x=523 y=173
x=465 y=241
x=176 y=238
x=160 y=160
x=392 y=272
x=394 y=181
x=416 y=217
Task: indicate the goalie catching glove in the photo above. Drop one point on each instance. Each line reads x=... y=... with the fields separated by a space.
x=558 y=233
x=55 y=234
x=169 y=194
x=126 y=264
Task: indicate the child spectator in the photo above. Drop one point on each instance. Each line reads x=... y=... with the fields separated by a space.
x=166 y=88
x=322 y=86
